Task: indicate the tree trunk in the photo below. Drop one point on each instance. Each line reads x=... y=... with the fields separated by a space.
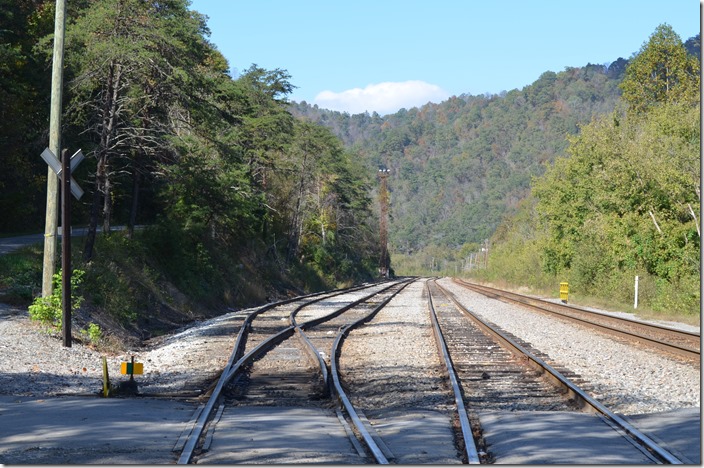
x=93 y=223
x=107 y=200
x=101 y=175
x=296 y=221
x=135 y=200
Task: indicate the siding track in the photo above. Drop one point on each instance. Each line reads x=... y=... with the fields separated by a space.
x=528 y=394
x=274 y=363
x=685 y=345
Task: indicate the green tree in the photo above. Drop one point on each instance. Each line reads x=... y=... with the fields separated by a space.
x=265 y=131
x=662 y=71
x=321 y=203
x=24 y=112
x=129 y=65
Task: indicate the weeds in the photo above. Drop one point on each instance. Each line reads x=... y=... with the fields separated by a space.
x=48 y=310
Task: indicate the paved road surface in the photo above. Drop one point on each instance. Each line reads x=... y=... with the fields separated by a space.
x=149 y=431
x=9 y=244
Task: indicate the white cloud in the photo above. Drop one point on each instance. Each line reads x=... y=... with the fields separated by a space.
x=384 y=98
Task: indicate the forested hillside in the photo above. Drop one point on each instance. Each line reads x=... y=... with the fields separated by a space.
x=620 y=144
x=625 y=200
x=240 y=199
x=459 y=166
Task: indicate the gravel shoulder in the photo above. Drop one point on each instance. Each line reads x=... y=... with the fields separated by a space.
x=627 y=380
x=37 y=364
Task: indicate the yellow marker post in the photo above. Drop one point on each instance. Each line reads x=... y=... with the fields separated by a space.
x=564 y=291
x=132 y=368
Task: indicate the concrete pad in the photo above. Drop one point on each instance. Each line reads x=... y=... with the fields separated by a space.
x=279 y=435
x=418 y=437
x=79 y=430
x=678 y=431
x=525 y=437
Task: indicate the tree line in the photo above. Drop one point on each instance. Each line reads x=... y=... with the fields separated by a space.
x=174 y=141
x=625 y=199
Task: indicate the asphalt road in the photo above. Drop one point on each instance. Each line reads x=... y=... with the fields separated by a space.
x=9 y=244
x=92 y=430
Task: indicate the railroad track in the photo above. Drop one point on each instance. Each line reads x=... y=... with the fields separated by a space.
x=680 y=343
x=286 y=367
x=498 y=373
x=275 y=364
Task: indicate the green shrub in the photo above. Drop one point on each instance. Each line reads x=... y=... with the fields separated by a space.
x=48 y=310
x=93 y=333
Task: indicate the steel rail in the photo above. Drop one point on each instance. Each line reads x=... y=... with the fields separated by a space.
x=237 y=360
x=553 y=308
x=288 y=331
x=466 y=427
x=317 y=358
x=232 y=369
x=325 y=318
x=235 y=357
x=335 y=371
x=313 y=352
x=590 y=403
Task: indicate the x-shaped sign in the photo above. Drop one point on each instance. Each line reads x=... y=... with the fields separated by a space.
x=55 y=165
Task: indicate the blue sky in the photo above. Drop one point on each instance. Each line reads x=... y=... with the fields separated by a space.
x=382 y=55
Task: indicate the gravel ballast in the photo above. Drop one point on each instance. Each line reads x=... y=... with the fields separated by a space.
x=392 y=360
x=626 y=379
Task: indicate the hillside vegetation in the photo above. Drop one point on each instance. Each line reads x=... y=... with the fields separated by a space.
x=590 y=175
x=459 y=166
x=242 y=202
x=625 y=200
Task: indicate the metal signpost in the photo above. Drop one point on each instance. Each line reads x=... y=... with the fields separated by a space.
x=68 y=184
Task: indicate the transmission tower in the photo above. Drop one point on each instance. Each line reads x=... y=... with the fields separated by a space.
x=383 y=224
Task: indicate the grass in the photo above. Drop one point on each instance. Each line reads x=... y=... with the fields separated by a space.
x=21 y=275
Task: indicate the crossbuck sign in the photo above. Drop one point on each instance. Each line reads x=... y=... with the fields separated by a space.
x=55 y=165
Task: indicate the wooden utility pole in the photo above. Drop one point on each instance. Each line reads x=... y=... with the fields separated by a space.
x=52 y=183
